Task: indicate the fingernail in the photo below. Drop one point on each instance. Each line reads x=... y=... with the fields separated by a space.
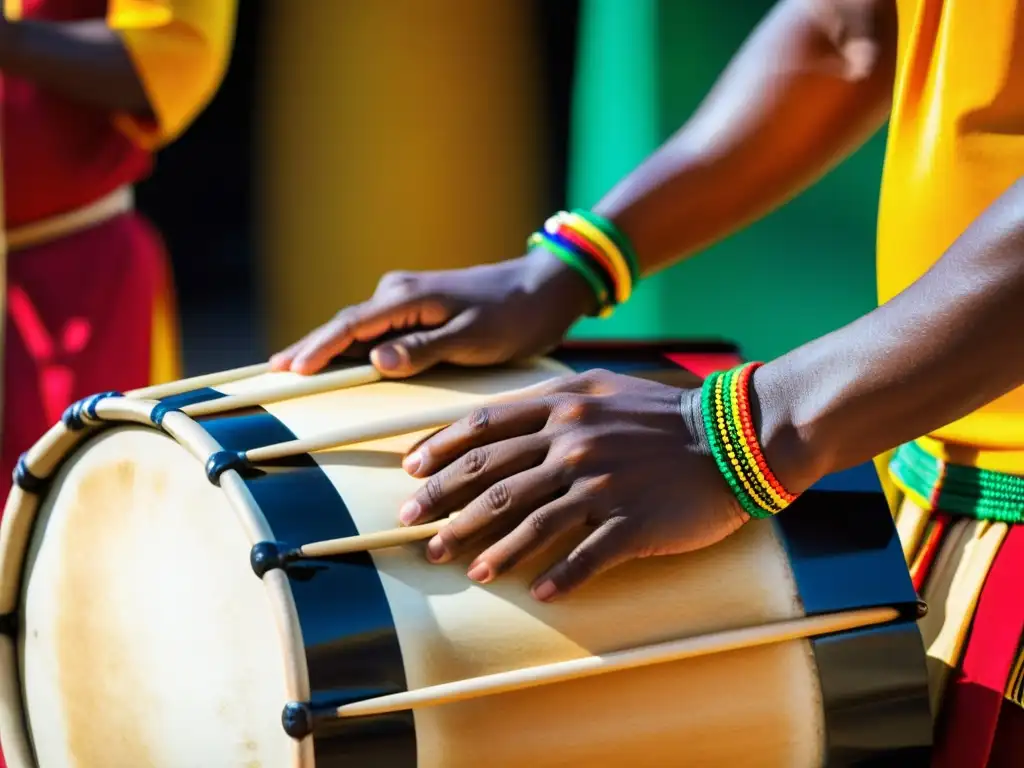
x=388 y=358
x=409 y=512
x=481 y=572
x=545 y=590
x=413 y=462
x=436 y=552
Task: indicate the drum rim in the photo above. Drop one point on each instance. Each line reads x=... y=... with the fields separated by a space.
x=38 y=465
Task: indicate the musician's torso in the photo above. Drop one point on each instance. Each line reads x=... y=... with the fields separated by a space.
x=956 y=143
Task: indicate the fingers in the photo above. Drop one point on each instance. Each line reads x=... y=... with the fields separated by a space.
x=402 y=301
x=418 y=351
x=486 y=425
x=496 y=510
x=608 y=546
x=470 y=476
x=531 y=537
x=310 y=354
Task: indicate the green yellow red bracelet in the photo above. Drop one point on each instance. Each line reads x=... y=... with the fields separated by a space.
x=596 y=249
x=729 y=426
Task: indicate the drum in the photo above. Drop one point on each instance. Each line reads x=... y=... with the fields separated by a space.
x=208 y=574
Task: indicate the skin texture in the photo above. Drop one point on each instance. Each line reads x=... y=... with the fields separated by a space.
x=627 y=459
x=84 y=61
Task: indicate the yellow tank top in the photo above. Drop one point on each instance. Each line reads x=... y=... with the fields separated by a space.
x=956 y=143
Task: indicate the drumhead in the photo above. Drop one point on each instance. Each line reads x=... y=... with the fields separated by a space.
x=146 y=641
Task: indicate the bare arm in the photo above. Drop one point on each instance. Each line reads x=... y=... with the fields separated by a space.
x=947 y=345
x=82 y=60
x=810 y=85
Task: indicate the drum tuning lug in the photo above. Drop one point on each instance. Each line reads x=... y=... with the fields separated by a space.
x=922 y=609
x=297 y=719
x=25 y=480
x=267 y=555
x=160 y=410
x=221 y=461
x=76 y=414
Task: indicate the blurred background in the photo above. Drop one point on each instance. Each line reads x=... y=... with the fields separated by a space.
x=353 y=137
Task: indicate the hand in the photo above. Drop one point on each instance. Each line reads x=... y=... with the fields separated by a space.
x=623 y=457
x=479 y=316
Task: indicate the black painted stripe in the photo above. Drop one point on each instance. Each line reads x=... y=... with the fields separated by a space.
x=351 y=643
x=845 y=554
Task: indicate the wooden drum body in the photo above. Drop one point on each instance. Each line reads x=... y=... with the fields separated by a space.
x=147 y=622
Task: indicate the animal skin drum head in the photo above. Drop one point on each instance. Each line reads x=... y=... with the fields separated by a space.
x=141 y=629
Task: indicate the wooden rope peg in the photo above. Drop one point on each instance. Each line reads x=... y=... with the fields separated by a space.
x=268 y=555
x=392 y=537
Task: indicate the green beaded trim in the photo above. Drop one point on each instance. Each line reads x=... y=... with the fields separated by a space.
x=982 y=494
x=718 y=452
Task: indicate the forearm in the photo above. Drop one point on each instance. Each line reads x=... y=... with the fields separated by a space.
x=947 y=345
x=810 y=85
x=82 y=60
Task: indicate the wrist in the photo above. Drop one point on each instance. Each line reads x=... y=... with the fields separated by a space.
x=549 y=277
x=787 y=443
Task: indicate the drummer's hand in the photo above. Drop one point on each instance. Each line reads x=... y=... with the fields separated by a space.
x=619 y=456
x=478 y=316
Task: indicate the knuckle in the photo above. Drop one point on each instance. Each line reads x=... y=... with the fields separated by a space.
x=541 y=522
x=396 y=277
x=475 y=461
x=570 y=410
x=479 y=419
x=433 y=490
x=594 y=376
x=498 y=497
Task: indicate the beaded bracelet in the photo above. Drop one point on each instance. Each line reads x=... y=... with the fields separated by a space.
x=729 y=425
x=596 y=249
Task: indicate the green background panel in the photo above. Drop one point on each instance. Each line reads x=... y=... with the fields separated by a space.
x=644 y=65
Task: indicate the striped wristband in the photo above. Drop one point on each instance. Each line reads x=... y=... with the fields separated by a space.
x=729 y=425
x=595 y=248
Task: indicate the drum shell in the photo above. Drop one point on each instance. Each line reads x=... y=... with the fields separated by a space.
x=383 y=622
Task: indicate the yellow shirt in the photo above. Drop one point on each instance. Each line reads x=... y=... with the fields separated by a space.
x=956 y=143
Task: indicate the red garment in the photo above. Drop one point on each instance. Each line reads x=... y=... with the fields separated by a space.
x=79 y=321
x=81 y=309
x=979 y=728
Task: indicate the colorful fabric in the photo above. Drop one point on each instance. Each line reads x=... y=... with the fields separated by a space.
x=181 y=50
x=955 y=144
x=981 y=687
x=105 y=324
x=60 y=155
x=969 y=571
x=979 y=493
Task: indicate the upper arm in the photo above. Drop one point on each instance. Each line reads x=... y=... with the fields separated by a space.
x=180 y=50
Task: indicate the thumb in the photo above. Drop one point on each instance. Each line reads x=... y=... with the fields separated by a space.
x=416 y=352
